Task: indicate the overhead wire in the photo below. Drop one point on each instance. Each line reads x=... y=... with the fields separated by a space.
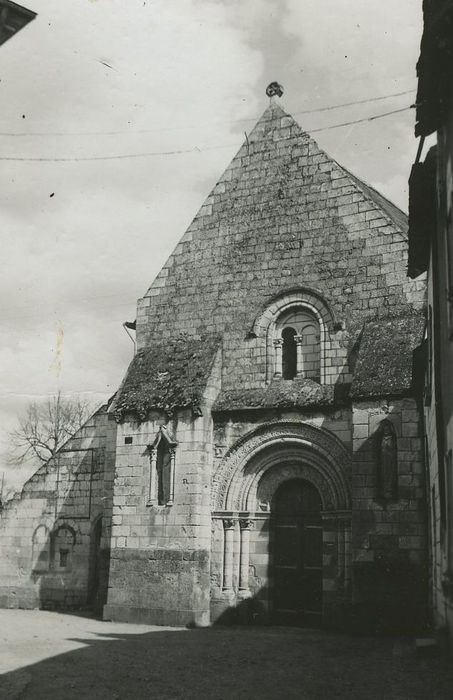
x=358 y=121
x=328 y=108
x=196 y=149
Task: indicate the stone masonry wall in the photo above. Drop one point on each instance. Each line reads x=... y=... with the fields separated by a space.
x=160 y=555
x=72 y=491
x=284 y=216
x=389 y=538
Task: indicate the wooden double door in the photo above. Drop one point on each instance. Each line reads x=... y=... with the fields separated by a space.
x=296 y=555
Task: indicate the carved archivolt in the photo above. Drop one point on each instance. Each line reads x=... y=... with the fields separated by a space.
x=267 y=453
x=266 y=326
x=294 y=297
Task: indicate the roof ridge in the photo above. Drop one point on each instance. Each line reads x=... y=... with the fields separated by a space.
x=371 y=187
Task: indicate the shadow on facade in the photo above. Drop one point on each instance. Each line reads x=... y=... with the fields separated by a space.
x=390 y=567
x=66 y=506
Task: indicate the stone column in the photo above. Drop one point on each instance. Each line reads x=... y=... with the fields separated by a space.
x=245 y=527
x=171 y=497
x=278 y=349
x=152 y=475
x=299 y=339
x=228 y=547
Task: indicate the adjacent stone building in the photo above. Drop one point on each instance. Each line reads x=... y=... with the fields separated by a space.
x=431 y=251
x=262 y=460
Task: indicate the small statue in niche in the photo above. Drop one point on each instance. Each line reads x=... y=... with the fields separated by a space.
x=387 y=471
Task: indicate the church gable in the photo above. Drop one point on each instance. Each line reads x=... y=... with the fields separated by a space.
x=283 y=214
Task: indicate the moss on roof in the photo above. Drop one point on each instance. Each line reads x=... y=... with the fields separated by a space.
x=168 y=376
x=282 y=393
x=385 y=358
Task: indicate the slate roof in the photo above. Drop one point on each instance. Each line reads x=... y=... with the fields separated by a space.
x=168 y=376
x=385 y=359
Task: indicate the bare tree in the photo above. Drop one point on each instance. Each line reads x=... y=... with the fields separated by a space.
x=44 y=427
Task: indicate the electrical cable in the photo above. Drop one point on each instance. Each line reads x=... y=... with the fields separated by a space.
x=122 y=156
x=197 y=126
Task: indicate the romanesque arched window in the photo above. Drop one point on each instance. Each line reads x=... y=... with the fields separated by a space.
x=289 y=353
x=321 y=354
x=297 y=344
x=162 y=469
x=41 y=549
x=62 y=546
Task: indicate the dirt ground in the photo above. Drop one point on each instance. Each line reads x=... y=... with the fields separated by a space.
x=45 y=655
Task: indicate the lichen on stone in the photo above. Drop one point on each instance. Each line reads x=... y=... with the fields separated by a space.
x=385 y=358
x=283 y=393
x=167 y=376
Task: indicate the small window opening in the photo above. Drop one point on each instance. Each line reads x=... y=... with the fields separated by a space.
x=63 y=541
x=163 y=467
x=289 y=359
x=64 y=558
x=128 y=440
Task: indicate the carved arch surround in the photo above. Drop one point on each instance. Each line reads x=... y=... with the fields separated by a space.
x=265 y=325
x=304 y=296
x=313 y=453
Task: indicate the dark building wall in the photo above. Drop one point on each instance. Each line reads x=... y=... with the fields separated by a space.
x=431 y=246
x=439 y=383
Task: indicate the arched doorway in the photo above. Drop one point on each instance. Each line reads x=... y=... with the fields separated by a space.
x=279 y=475
x=295 y=574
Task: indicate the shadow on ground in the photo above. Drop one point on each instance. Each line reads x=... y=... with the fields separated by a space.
x=221 y=663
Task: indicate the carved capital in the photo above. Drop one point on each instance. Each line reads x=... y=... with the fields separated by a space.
x=299 y=339
x=228 y=523
x=278 y=342
x=246 y=523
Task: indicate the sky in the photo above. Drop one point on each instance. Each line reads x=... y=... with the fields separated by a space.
x=82 y=239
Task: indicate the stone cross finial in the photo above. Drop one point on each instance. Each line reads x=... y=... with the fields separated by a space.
x=273 y=89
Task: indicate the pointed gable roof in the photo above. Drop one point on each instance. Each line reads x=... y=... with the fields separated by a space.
x=278 y=143
x=283 y=216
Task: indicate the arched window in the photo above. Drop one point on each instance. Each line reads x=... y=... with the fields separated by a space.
x=162 y=469
x=298 y=344
x=289 y=353
x=63 y=541
x=41 y=549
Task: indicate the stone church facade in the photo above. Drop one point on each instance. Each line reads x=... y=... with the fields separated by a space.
x=262 y=461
